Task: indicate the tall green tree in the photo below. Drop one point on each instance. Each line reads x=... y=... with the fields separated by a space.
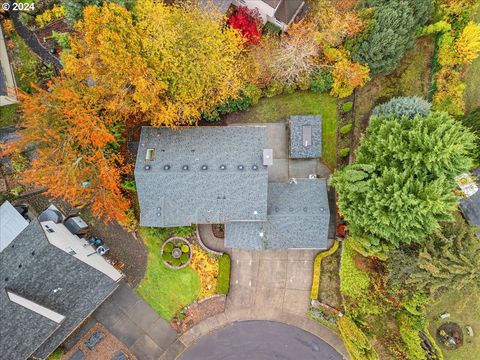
x=401 y=183
x=392 y=32
x=450 y=259
x=74 y=8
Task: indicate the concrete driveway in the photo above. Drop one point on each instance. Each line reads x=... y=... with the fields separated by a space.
x=271 y=281
x=260 y=340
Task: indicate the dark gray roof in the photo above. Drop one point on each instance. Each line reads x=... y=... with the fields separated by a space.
x=471 y=206
x=170 y=195
x=305 y=128
x=219 y=5
x=272 y=3
x=298 y=217
x=3 y=84
x=32 y=268
x=287 y=9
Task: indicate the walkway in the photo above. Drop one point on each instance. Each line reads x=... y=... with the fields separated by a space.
x=134 y=323
x=33 y=43
x=265 y=285
x=209 y=240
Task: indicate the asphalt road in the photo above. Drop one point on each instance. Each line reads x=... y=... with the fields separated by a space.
x=260 y=340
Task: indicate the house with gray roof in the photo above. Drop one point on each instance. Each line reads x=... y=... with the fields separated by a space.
x=305 y=136
x=298 y=217
x=201 y=175
x=47 y=287
x=8 y=86
x=219 y=175
x=282 y=13
x=470 y=206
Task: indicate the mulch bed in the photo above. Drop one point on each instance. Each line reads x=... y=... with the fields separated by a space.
x=218 y=232
x=44 y=34
x=199 y=311
x=106 y=348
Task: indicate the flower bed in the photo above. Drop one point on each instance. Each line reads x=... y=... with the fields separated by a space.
x=176 y=252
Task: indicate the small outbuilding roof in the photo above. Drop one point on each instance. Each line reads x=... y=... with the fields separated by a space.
x=298 y=217
x=217 y=5
x=287 y=10
x=201 y=175
x=305 y=136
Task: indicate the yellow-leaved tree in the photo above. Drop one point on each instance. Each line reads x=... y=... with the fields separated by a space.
x=165 y=64
x=468 y=44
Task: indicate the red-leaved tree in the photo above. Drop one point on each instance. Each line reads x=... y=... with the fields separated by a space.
x=249 y=22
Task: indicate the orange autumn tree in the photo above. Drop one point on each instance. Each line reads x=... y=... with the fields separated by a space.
x=165 y=64
x=73 y=149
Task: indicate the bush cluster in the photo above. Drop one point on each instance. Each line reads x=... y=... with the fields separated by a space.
x=403 y=106
x=223 y=284
x=345 y=129
x=321 y=81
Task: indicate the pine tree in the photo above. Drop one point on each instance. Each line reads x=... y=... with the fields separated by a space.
x=401 y=183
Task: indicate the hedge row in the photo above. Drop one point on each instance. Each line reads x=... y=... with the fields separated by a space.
x=317 y=268
x=223 y=284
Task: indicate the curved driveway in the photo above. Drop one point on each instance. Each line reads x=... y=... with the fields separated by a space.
x=260 y=340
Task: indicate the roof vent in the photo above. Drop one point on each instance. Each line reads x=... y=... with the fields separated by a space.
x=305 y=209
x=322 y=209
x=166 y=167
x=223 y=167
x=276 y=209
x=240 y=167
x=204 y=167
x=255 y=167
x=147 y=167
x=150 y=155
x=185 y=167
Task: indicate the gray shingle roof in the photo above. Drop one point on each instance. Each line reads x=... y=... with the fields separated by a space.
x=305 y=128
x=298 y=217
x=185 y=183
x=32 y=268
x=287 y=9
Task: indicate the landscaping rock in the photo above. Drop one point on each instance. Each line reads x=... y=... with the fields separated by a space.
x=94 y=339
x=78 y=355
x=120 y=356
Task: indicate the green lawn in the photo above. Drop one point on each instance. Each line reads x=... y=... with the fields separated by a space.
x=9 y=115
x=279 y=108
x=164 y=289
x=472 y=78
x=463 y=315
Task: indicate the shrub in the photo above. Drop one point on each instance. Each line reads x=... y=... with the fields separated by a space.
x=185 y=248
x=130 y=185
x=63 y=39
x=184 y=258
x=472 y=121
x=223 y=284
x=16 y=191
x=303 y=83
x=345 y=129
x=438 y=27
x=50 y=15
x=403 y=106
x=248 y=21
x=347 y=106
x=167 y=256
x=317 y=267
x=168 y=247
x=274 y=88
x=271 y=29
x=185 y=231
x=321 y=81
x=355 y=340
x=344 y=152
x=176 y=262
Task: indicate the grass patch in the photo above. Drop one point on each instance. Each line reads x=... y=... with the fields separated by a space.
x=223 y=284
x=164 y=289
x=280 y=108
x=472 y=80
x=56 y=355
x=9 y=115
x=464 y=314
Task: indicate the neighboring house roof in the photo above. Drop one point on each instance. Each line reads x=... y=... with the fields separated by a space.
x=219 y=5
x=12 y=224
x=272 y=3
x=193 y=176
x=287 y=10
x=298 y=217
x=54 y=283
x=471 y=206
x=305 y=136
x=3 y=84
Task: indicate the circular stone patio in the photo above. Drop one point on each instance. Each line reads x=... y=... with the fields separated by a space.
x=262 y=340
